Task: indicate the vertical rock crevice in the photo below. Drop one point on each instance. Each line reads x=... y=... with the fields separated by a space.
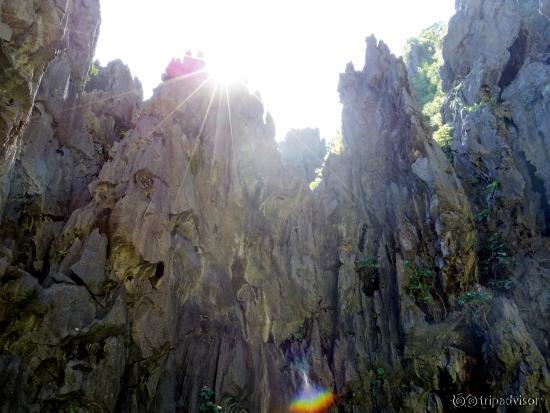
x=150 y=249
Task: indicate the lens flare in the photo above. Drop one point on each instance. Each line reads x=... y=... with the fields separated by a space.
x=311 y=400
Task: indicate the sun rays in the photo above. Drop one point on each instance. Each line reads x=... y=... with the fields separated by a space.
x=222 y=87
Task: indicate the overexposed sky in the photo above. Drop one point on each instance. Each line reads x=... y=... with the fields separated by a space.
x=291 y=51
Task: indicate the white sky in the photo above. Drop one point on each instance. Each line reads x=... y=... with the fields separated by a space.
x=291 y=51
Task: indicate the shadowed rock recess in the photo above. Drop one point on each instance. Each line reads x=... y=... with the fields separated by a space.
x=148 y=249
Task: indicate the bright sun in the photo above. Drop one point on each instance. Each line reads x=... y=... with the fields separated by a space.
x=291 y=51
x=225 y=68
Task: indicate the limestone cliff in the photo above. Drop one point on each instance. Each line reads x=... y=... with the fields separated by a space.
x=498 y=106
x=149 y=249
x=32 y=34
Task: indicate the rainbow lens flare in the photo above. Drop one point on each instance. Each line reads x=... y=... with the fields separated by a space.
x=311 y=400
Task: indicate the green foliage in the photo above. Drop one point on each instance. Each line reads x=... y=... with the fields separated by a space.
x=336 y=146
x=208 y=404
x=379 y=375
x=93 y=72
x=426 y=81
x=318 y=178
x=498 y=256
x=474 y=298
x=420 y=283
x=61 y=253
x=369 y=264
x=427 y=85
x=492 y=187
x=503 y=284
x=299 y=335
x=472 y=108
x=496 y=262
x=492 y=103
x=444 y=137
x=482 y=215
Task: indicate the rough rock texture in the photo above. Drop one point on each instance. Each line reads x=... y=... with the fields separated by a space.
x=32 y=33
x=147 y=250
x=497 y=75
x=202 y=260
x=390 y=160
x=304 y=151
x=63 y=150
x=544 y=7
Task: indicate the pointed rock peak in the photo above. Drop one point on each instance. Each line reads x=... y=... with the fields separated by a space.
x=382 y=72
x=378 y=59
x=375 y=49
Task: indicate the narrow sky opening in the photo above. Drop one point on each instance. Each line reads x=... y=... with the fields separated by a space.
x=291 y=51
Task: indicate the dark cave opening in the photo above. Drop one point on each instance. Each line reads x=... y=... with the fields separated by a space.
x=515 y=62
x=159 y=273
x=540 y=188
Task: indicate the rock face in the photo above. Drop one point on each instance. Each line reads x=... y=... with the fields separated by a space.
x=32 y=33
x=497 y=77
x=498 y=108
x=63 y=149
x=399 y=269
x=304 y=151
x=150 y=249
x=496 y=74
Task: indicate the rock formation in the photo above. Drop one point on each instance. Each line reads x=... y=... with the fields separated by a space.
x=150 y=249
x=32 y=34
x=303 y=150
x=496 y=73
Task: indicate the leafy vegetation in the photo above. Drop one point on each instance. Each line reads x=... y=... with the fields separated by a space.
x=475 y=303
x=318 y=178
x=336 y=146
x=492 y=187
x=420 y=283
x=444 y=137
x=207 y=401
x=379 y=375
x=502 y=284
x=482 y=215
x=93 y=72
x=492 y=103
x=62 y=253
x=474 y=298
x=496 y=263
x=426 y=81
x=369 y=264
x=472 y=108
x=497 y=259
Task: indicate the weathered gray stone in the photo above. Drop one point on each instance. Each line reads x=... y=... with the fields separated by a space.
x=304 y=151
x=91 y=266
x=149 y=250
